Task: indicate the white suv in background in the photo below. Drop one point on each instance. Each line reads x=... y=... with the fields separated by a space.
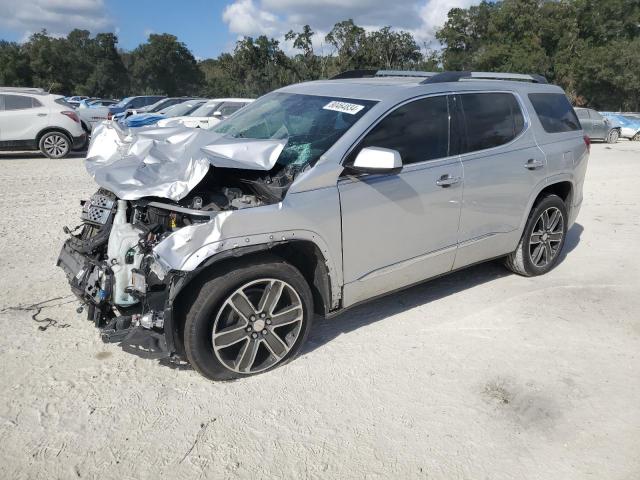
x=209 y=114
x=32 y=119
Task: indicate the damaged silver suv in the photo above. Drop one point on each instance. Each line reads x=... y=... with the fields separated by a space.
x=218 y=247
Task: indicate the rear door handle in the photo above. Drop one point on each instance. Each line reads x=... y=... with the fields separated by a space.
x=447 y=180
x=42 y=114
x=533 y=164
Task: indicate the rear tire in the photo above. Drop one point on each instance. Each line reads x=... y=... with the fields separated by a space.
x=613 y=136
x=55 y=145
x=226 y=337
x=542 y=240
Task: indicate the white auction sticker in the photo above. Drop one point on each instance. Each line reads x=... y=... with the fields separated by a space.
x=344 y=107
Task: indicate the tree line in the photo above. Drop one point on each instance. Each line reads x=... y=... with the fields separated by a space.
x=589 y=47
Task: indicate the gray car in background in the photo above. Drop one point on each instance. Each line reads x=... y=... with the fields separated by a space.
x=219 y=247
x=597 y=126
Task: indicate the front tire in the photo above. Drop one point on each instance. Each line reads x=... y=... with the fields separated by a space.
x=247 y=318
x=543 y=239
x=55 y=145
x=636 y=137
x=613 y=136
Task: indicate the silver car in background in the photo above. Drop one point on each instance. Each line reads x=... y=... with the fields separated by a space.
x=597 y=126
x=218 y=247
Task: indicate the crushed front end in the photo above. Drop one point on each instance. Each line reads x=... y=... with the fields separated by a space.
x=109 y=262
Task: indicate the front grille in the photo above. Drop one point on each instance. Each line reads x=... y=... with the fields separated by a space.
x=98 y=209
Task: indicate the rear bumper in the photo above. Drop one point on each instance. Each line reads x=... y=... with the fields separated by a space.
x=79 y=142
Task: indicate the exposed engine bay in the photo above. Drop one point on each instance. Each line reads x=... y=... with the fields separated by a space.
x=109 y=259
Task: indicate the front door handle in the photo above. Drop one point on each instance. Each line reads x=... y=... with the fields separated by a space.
x=533 y=164
x=43 y=114
x=447 y=180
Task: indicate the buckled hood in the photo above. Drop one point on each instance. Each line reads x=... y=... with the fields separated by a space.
x=169 y=162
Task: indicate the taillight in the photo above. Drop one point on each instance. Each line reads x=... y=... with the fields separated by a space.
x=72 y=115
x=587 y=142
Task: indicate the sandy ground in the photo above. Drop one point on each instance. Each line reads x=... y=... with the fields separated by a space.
x=482 y=374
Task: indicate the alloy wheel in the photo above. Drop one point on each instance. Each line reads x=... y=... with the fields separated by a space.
x=257 y=326
x=56 y=145
x=546 y=237
x=613 y=136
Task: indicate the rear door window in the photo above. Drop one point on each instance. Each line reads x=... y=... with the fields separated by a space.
x=18 y=102
x=229 y=108
x=582 y=114
x=555 y=112
x=418 y=130
x=491 y=120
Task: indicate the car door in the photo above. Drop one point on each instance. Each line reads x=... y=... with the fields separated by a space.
x=399 y=229
x=599 y=125
x=585 y=121
x=22 y=118
x=502 y=166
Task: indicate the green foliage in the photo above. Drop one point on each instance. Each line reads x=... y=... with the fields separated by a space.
x=589 y=47
x=164 y=65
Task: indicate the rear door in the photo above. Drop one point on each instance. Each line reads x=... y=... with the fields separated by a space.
x=585 y=120
x=599 y=126
x=502 y=166
x=399 y=229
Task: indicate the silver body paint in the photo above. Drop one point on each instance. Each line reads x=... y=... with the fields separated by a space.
x=379 y=233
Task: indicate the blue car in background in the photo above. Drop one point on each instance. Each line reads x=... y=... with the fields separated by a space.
x=133 y=102
x=151 y=118
x=629 y=124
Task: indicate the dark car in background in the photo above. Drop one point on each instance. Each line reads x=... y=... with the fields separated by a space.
x=598 y=127
x=133 y=103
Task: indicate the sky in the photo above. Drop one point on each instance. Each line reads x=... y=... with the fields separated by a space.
x=210 y=27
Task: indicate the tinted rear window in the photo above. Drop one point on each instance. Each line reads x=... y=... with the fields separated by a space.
x=555 y=112
x=492 y=119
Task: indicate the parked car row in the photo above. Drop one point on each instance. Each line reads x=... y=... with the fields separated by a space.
x=33 y=119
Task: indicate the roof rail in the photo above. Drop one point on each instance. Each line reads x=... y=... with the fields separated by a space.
x=354 y=74
x=38 y=91
x=466 y=75
x=382 y=73
x=404 y=73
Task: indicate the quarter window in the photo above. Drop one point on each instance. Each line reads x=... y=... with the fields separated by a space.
x=555 y=112
x=491 y=119
x=418 y=130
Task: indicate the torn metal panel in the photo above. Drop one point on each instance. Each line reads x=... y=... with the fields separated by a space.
x=169 y=162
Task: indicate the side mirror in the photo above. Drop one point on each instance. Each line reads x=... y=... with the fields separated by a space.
x=377 y=160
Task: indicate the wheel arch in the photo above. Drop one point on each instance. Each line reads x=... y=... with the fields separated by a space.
x=46 y=130
x=305 y=255
x=562 y=186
